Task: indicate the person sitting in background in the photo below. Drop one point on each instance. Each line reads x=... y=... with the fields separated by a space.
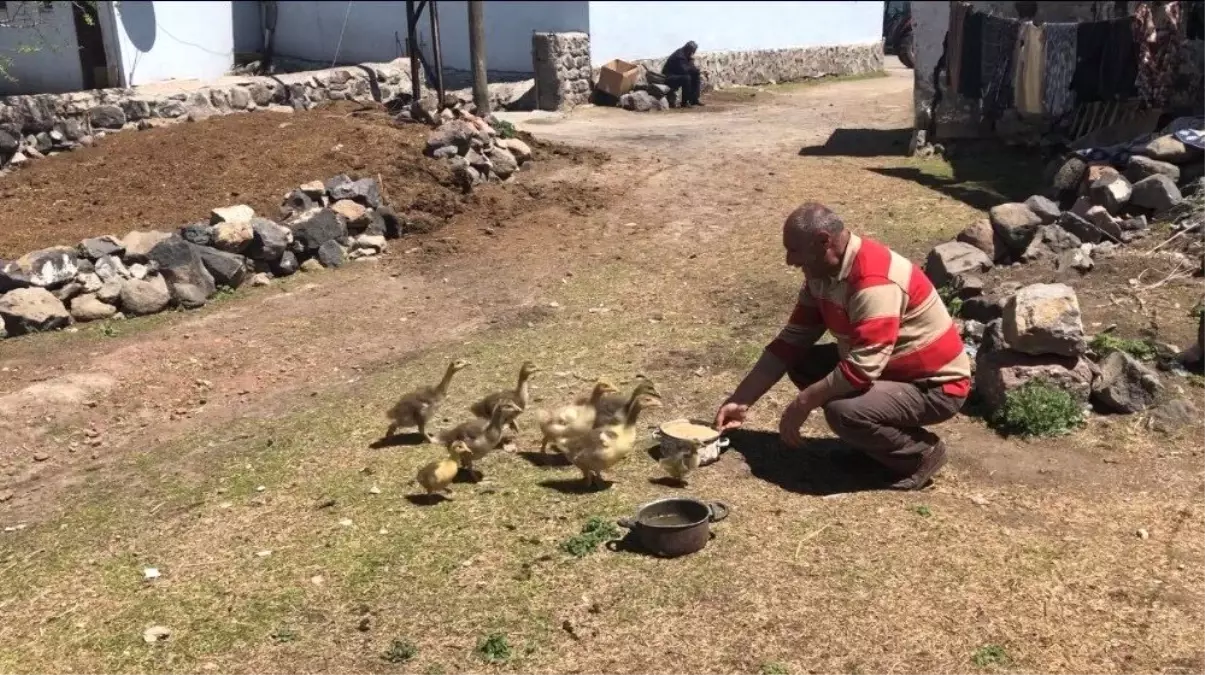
x=681 y=72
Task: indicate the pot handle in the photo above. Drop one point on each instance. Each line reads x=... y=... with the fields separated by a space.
x=626 y=523
x=723 y=442
x=719 y=511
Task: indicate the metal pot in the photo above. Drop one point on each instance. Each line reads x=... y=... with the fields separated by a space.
x=675 y=526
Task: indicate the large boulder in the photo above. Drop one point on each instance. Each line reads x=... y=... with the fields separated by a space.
x=1157 y=193
x=1043 y=208
x=1125 y=385
x=88 y=307
x=286 y=265
x=297 y=201
x=107 y=117
x=1111 y=191
x=503 y=162
x=180 y=265
x=1015 y=224
x=1109 y=226
x=1140 y=167
x=1068 y=176
x=355 y=213
x=314 y=228
x=200 y=234
x=946 y=262
x=227 y=269
x=111 y=268
x=32 y=310
x=49 y=267
x=233 y=236
x=98 y=247
x=270 y=242
x=1049 y=242
x=456 y=133
x=998 y=372
x=145 y=296
x=1045 y=319
x=138 y=244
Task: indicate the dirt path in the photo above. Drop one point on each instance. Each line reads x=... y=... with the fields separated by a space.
x=663 y=260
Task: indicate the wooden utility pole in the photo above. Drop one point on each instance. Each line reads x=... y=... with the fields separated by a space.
x=481 y=94
x=412 y=51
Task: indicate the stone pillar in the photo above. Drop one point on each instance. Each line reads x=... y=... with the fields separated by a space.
x=561 y=62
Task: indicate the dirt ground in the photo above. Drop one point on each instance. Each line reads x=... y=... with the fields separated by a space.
x=200 y=443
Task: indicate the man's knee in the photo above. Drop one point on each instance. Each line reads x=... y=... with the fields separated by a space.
x=845 y=413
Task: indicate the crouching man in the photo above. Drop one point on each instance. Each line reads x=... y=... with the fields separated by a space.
x=898 y=364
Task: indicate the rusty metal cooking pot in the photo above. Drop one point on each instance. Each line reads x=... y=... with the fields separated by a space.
x=675 y=526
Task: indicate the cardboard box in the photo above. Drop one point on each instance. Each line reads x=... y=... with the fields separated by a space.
x=617 y=77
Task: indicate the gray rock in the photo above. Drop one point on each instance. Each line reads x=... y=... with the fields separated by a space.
x=446 y=152
x=1081 y=228
x=1043 y=208
x=180 y=265
x=240 y=98
x=457 y=133
x=227 y=269
x=1140 y=167
x=238 y=213
x=1135 y=224
x=1112 y=191
x=366 y=191
x=9 y=143
x=200 y=234
x=640 y=101
x=504 y=163
x=107 y=117
x=334 y=182
x=12 y=276
x=110 y=291
x=48 y=267
x=139 y=244
x=1050 y=241
x=286 y=265
x=1109 y=226
x=314 y=189
x=145 y=296
x=946 y=262
x=1157 y=193
x=1074 y=259
x=32 y=310
x=43 y=142
x=1015 y=224
x=90 y=282
x=1069 y=175
x=98 y=247
x=1125 y=385
x=465 y=175
x=311 y=265
x=1170 y=149
x=331 y=254
x=67 y=291
x=999 y=371
x=517 y=147
x=478 y=161
x=89 y=308
x=972 y=331
x=1043 y=319
x=1174 y=416
x=375 y=243
x=316 y=227
x=111 y=268
x=296 y=202
x=969 y=286
x=270 y=240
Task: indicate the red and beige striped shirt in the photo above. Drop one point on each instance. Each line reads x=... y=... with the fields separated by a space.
x=888 y=320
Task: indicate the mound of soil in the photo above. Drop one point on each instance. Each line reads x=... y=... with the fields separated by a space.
x=170 y=176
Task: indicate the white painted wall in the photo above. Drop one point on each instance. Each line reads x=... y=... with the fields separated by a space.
x=646 y=30
x=174 y=40
x=53 y=67
x=376 y=31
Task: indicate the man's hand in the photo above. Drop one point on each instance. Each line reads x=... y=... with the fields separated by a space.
x=730 y=416
x=793 y=419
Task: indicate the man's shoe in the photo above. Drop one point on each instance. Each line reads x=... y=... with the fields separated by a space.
x=931 y=462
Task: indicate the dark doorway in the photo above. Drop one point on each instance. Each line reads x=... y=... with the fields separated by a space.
x=92 y=59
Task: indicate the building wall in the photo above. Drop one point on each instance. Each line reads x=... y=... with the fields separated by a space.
x=376 y=31
x=649 y=30
x=54 y=66
x=248 y=26
x=174 y=40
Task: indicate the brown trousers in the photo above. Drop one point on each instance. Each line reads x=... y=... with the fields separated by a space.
x=886 y=422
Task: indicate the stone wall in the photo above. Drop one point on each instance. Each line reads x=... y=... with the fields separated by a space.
x=769 y=66
x=562 y=69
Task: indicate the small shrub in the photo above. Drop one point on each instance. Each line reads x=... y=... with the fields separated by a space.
x=1038 y=408
x=773 y=668
x=285 y=635
x=949 y=296
x=400 y=651
x=923 y=511
x=109 y=330
x=1105 y=343
x=495 y=648
x=596 y=531
x=505 y=129
x=990 y=655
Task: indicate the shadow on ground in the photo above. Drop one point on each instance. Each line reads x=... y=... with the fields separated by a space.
x=824 y=466
x=980 y=174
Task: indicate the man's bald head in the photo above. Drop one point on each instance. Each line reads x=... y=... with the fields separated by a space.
x=815 y=239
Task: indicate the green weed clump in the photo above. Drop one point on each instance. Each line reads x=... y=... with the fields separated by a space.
x=1105 y=343
x=505 y=129
x=1038 y=408
x=596 y=531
